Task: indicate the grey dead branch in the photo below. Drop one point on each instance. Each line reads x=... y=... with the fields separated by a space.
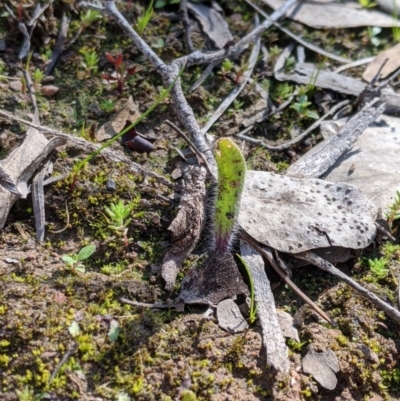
x=333 y=15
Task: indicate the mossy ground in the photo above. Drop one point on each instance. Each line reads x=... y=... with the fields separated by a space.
x=48 y=310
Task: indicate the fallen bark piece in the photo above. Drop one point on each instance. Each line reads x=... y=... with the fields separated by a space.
x=287 y=326
x=212 y=24
x=392 y=56
x=20 y=166
x=273 y=340
x=218 y=278
x=317 y=161
x=389 y=6
x=334 y=15
x=230 y=318
x=373 y=163
x=293 y=214
x=130 y=111
x=187 y=225
x=7 y=183
x=323 y=366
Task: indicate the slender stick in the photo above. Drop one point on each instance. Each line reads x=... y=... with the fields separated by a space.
x=328 y=267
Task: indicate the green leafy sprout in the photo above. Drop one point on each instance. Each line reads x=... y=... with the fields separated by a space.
x=90 y=62
x=145 y=18
x=394 y=210
x=302 y=108
x=378 y=267
x=73 y=261
x=89 y=17
x=118 y=221
x=253 y=307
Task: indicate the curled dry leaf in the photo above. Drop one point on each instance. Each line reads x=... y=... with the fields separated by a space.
x=213 y=25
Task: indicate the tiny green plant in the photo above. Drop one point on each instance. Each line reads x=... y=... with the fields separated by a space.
x=73 y=261
x=89 y=17
x=373 y=33
x=394 y=210
x=145 y=18
x=396 y=26
x=90 y=62
x=122 y=71
x=378 y=267
x=231 y=174
x=107 y=105
x=302 y=108
x=282 y=91
x=290 y=62
x=240 y=71
x=38 y=76
x=366 y=3
x=253 y=308
x=118 y=221
x=226 y=67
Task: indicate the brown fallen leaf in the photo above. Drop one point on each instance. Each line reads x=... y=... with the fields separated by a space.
x=130 y=111
x=49 y=90
x=392 y=56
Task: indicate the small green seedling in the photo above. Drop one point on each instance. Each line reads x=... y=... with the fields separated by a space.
x=378 y=267
x=89 y=17
x=38 y=76
x=231 y=175
x=90 y=62
x=373 y=33
x=107 y=105
x=394 y=210
x=73 y=260
x=302 y=108
x=281 y=92
x=366 y=3
x=118 y=221
x=253 y=308
x=226 y=67
x=145 y=18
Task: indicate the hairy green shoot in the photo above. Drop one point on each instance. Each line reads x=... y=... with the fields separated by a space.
x=231 y=174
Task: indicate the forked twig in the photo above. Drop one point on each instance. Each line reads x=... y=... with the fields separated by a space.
x=193 y=147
